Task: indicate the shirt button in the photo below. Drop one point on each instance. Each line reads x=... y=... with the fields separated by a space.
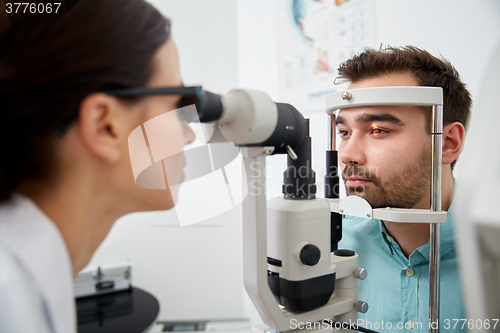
x=409 y=325
x=410 y=271
x=388 y=239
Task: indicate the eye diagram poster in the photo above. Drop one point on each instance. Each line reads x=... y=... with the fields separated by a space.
x=314 y=37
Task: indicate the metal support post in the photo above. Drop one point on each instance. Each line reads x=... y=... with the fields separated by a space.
x=436 y=201
x=330 y=145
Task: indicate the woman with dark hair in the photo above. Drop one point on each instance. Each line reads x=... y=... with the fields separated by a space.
x=65 y=169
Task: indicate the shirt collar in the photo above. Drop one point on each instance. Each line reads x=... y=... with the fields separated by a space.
x=389 y=241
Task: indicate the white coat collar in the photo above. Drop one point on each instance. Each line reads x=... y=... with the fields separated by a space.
x=37 y=243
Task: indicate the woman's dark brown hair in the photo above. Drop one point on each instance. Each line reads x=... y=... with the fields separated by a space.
x=47 y=70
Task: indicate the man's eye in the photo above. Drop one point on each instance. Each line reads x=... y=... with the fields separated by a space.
x=379 y=131
x=343 y=134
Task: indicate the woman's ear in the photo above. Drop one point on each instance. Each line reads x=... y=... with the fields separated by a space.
x=101 y=127
x=453 y=141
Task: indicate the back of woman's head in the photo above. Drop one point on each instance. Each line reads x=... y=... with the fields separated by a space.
x=47 y=70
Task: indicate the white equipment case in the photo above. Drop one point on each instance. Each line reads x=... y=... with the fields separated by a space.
x=106 y=273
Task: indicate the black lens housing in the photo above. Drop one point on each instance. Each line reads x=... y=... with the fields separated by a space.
x=210 y=107
x=290 y=130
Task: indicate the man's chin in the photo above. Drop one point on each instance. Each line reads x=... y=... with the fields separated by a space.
x=360 y=191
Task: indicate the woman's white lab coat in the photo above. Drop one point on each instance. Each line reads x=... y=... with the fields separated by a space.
x=36 y=282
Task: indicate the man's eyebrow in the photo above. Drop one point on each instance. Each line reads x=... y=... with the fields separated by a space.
x=385 y=117
x=339 y=120
x=369 y=117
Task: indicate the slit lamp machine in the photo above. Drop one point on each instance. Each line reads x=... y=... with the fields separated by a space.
x=293 y=271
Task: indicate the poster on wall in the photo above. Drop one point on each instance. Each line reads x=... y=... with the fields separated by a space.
x=314 y=37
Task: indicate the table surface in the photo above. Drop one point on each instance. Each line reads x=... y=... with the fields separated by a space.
x=130 y=311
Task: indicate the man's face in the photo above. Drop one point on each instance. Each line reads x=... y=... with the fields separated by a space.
x=385 y=151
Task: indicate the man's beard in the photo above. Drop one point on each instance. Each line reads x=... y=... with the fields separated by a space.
x=403 y=190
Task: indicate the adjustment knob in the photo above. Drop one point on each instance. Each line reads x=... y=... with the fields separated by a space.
x=361 y=306
x=360 y=273
x=310 y=254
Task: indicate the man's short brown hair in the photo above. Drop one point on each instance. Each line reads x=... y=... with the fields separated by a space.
x=428 y=70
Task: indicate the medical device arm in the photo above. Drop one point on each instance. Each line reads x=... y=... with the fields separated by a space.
x=289 y=271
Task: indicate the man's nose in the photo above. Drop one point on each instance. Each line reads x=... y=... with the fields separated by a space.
x=352 y=151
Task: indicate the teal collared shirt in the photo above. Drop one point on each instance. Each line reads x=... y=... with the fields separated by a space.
x=397 y=288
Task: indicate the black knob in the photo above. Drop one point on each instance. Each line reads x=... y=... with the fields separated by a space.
x=344 y=253
x=310 y=254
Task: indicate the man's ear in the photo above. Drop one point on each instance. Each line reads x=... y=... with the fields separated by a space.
x=453 y=141
x=100 y=126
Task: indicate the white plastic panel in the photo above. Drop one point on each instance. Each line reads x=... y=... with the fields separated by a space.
x=356 y=208
x=409 y=215
x=419 y=96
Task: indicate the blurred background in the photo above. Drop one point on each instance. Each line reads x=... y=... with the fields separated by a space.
x=289 y=49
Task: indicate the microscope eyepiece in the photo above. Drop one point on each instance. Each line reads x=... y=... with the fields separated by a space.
x=248 y=118
x=209 y=107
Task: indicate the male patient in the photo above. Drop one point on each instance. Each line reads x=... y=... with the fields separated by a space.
x=385 y=154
